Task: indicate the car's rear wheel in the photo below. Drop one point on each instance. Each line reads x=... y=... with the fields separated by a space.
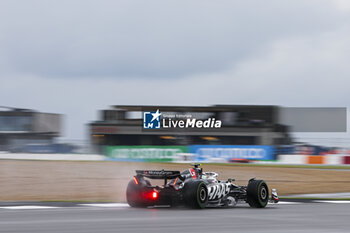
x=257 y=193
x=195 y=194
x=134 y=195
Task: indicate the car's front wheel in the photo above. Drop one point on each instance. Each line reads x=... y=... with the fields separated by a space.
x=257 y=193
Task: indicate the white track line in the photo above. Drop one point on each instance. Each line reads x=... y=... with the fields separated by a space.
x=106 y=205
x=333 y=202
x=286 y=203
x=28 y=207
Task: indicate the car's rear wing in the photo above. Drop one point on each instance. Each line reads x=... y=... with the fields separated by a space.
x=158 y=174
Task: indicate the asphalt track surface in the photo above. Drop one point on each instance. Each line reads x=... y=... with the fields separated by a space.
x=287 y=217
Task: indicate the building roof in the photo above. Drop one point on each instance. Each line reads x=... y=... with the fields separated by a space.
x=188 y=108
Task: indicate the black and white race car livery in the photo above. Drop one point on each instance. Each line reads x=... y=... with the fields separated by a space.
x=218 y=191
x=196 y=189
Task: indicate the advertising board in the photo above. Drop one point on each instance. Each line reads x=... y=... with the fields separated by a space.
x=223 y=153
x=144 y=153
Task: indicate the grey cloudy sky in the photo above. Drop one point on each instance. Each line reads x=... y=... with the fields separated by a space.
x=75 y=57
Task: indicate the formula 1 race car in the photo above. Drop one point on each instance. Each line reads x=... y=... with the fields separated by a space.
x=196 y=189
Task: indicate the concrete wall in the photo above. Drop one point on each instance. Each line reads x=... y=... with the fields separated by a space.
x=331 y=159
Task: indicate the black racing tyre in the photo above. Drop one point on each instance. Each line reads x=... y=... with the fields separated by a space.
x=134 y=195
x=257 y=194
x=195 y=194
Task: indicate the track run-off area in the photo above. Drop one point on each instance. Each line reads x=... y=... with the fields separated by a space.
x=286 y=216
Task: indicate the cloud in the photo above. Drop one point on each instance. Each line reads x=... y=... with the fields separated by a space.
x=343 y=5
x=293 y=73
x=153 y=39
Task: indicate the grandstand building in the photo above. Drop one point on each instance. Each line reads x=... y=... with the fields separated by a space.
x=241 y=125
x=21 y=128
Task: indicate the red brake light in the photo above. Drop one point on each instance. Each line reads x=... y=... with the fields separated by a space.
x=150 y=195
x=135 y=180
x=154 y=195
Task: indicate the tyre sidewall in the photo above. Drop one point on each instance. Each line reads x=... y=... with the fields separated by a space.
x=134 y=195
x=195 y=194
x=202 y=195
x=263 y=194
x=257 y=193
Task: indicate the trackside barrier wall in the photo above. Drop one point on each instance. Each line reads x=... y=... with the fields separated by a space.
x=223 y=153
x=144 y=153
x=292 y=159
x=346 y=160
x=216 y=153
x=315 y=159
x=332 y=159
x=200 y=153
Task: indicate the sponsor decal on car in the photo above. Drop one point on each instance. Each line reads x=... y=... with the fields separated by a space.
x=218 y=191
